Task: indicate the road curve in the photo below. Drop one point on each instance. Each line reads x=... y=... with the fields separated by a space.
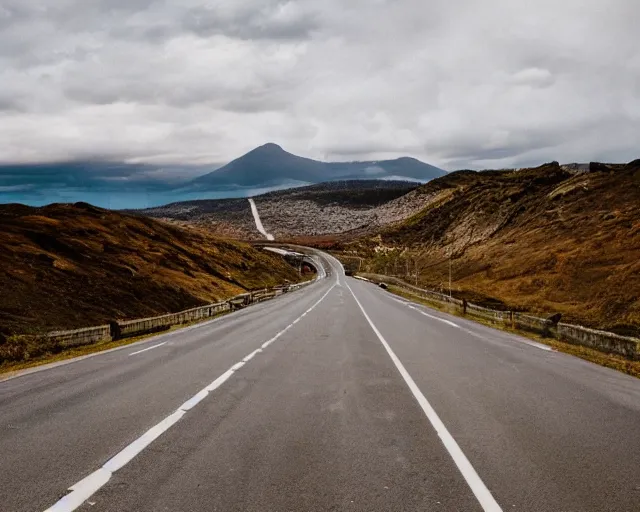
x=339 y=396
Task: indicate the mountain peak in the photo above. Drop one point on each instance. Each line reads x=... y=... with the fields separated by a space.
x=271 y=147
x=270 y=165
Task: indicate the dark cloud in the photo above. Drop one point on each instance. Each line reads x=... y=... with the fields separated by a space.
x=456 y=83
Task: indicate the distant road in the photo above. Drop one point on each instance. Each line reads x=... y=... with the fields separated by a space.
x=256 y=217
x=338 y=397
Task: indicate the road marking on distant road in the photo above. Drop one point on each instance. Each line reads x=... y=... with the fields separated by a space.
x=149 y=348
x=479 y=489
x=256 y=218
x=89 y=485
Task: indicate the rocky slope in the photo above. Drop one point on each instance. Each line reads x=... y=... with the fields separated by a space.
x=323 y=209
x=67 y=266
x=550 y=239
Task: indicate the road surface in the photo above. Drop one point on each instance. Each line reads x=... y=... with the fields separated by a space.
x=339 y=396
x=256 y=218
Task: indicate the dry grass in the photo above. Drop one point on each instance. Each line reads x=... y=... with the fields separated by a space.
x=43 y=354
x=69 y=266
x=540 y=240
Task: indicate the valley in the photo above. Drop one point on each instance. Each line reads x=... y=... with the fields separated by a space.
x=556 y=238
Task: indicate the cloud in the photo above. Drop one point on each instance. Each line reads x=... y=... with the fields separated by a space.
x=456 y=83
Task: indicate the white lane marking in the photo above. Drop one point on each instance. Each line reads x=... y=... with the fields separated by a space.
x=81 y=491
x=219 y=381
x=448 y=322
x=149 y=348
x=178 y=332
x=340 y=272
x=252 y=355
x=256 y=218
x=125 y=456
x=89 y=485
x=479 y=489
x=518 y=340
x=194 y=400
x=409 y=305
x=534 y=344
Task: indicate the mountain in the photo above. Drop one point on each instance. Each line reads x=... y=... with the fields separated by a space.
x=270 y=165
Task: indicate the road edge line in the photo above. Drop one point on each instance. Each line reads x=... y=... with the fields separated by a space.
x=479 y=489
x=89 y=485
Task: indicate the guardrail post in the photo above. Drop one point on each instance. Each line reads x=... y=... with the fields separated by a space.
x=114 y=330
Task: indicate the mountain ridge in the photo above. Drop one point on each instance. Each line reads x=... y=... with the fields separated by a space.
x=270 y=165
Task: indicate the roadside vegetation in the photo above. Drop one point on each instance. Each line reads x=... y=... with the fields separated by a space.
x=21 y=352
x=70 y=266
x=545 y=240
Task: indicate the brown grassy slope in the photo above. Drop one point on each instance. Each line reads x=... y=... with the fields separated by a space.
x=544 y=239
x=66 y=266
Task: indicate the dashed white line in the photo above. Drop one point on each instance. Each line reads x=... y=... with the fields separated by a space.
x=533 y=344
x=82 y=490
x=194 y=400
x=252 y=355
x=443 y=320
x=125 y=456
x=479 y=489
x=409 y=305
x=148 y=348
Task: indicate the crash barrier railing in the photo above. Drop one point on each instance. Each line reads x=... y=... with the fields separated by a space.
x=551 y=327
x=119 y=329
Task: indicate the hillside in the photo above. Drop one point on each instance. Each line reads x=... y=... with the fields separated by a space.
x=549 y=239
x=270 y=165
x=66 y=266
x=326 y=208
x=229 y=218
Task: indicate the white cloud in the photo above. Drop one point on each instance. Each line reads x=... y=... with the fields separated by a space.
x=457 y=83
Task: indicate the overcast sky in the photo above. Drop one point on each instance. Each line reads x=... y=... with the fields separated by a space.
x=456 y=83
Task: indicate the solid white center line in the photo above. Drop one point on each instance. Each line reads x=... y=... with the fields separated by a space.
x=479 y=489
x=145 y=349
x=89 y=485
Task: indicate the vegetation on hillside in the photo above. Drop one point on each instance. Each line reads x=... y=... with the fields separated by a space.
x=65 y=266
x=549 y=239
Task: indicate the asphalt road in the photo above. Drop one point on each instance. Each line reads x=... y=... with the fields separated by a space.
x=355 y=400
